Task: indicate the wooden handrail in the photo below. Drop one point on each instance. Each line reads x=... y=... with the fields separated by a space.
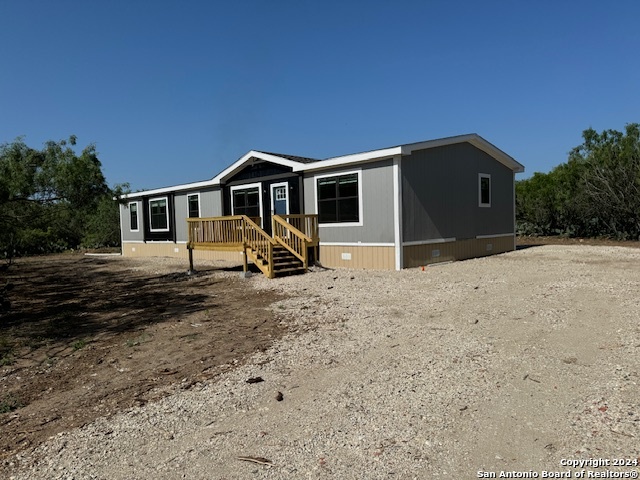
x=306 y=223
x=258 y=240
x=291 y=238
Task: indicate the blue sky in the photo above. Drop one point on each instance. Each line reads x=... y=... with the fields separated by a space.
x=174 y=91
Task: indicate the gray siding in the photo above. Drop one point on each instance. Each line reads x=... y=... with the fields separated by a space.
x=377 y=203
x=440 y=194
x=210 y=206
x=125 y=223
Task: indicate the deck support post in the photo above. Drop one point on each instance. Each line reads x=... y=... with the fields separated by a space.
x=245 y=266
x=191 y=270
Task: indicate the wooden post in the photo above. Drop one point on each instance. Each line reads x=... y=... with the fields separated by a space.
x=245 y=266
x=191 y=270
x=272 y=273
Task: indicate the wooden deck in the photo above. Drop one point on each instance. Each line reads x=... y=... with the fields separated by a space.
x=284 y=252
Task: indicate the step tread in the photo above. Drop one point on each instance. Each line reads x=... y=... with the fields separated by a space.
x=282 y=270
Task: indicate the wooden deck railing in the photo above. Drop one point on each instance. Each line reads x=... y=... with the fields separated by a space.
x=234 y=233
x=307 y=224
x=240 y=233
x=217 y=230
x=291 y=238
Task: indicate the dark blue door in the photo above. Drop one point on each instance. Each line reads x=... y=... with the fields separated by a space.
x=279 y=200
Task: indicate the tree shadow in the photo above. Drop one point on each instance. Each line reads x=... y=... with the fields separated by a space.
x=78 y=298
x=528 y=245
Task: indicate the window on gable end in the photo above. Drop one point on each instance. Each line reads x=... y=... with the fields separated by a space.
x=484 y=190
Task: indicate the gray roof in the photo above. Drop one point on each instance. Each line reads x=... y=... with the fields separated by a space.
x=293 y=158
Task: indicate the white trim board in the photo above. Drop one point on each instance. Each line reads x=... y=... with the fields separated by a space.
x=176 y=188
x=356 y=244
x=428 y=242
x=242 y=161
x=497 y=235
x=397 y=211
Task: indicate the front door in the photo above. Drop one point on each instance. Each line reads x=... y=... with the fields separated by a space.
x=280 y=198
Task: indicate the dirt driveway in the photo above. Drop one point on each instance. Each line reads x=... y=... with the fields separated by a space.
x=514 y=364
x=88 y=336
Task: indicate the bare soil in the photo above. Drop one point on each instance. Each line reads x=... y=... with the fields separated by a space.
x=88 y=336
x=509 y=363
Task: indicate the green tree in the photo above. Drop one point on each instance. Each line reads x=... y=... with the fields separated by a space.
x=50 y=198
x=611 y=179
x=595 y=193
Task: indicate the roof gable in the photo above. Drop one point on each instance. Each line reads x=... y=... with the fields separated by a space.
x=295 y=163
x=298 y=164
x=375 y=155
x=475 y=140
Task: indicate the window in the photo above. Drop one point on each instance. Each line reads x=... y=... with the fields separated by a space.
x=281 y=193
x=246 y=202
x=193 y=204
x=484 y=190
x=159 y=215
x=338 y=198
x=133 y=215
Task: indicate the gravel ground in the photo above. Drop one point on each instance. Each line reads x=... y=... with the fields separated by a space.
x=507 y=363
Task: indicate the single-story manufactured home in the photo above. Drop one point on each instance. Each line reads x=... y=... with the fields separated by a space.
x=404 y=206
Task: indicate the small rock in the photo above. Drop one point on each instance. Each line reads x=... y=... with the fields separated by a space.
x=255 y=380
x=279 y=397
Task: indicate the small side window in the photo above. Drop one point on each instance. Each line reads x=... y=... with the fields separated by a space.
x=133 y=214
x=484 y=190
x=193 y=202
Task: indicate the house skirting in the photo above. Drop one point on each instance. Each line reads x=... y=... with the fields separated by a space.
x=176 y=250
x=375 y=257
x=448 y=250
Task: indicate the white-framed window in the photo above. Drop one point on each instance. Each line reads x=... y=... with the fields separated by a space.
x=193 y=205
x=484 y=190
x=134 y=225
x=159 y=214
x=247 y=200
x=339 y=198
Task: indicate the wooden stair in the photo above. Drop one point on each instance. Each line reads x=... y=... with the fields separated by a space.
x=285 y=252
x=284 y=262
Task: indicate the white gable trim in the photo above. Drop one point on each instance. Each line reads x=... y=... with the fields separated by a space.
x=176 y=188
x=351 y=159
x=475 y=140
x=245 y=160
